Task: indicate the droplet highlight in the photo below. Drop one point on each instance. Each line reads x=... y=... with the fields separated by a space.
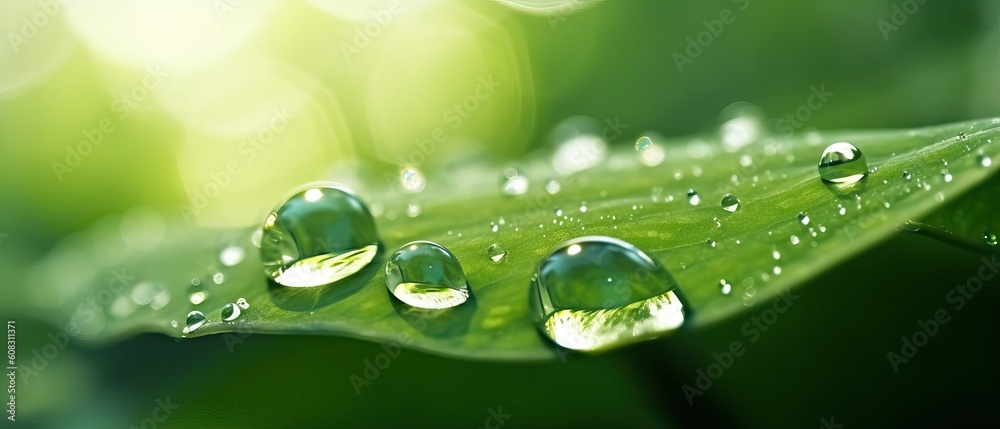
x=730 y=203
x=842 y=163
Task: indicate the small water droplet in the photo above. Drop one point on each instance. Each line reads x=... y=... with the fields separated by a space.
x=218 y=278
x=730 y=203
x=414 y=210
x=803 y=218
x=842 y=211
x=173 y=324
x=650 y=154
x=318 y=236
x=553 y=187
x=984 y=160
x=777 y=270
x=230 y=312
x=195 y=320
x=842 y=163
x=242 y=303
x=710 y=242
x=496 y=252
x=725 y=287
x=559 y=212
x=575 y=306
x=962 y=136
x=946 y=176
x=232 y=255
x=495 y=228
x=413 y=180
x=776 y=254
x=426 y=275
x=990 y=238
x=907 y=175
x=794 y=239
x=198 y=297
x=516 y=186
x=693 y=197
x=583 y=208
x=195 y=282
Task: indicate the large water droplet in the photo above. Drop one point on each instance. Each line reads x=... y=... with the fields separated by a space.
x=318 y=236
x=842 y=163
x=730 y=203
x=426 y=275
x=575 y=305
x=496 y=252
x=990 y=238
x=195 y=320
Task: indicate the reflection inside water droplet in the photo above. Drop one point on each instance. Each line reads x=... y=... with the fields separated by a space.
x=318 y=236
x=426 y=275
x=195 y=320
x=575 y=305
x=693 y=197
x=230 y=312
x=730 y=203
x=842 y=163
x=496 y=252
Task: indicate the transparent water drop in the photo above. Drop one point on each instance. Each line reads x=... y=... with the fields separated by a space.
x=412 y=179
x=198 y=297
x=990 y=238
x=517 y=185
x=575 y=306
x=414 y=210
x=173 y=324
x=218 y=278
x=984 y=160
x=730 y=203
x=232 y=255
x=496 y=252
x=318 y=236
x=803 y=218
x=242 y=303
x=946 y=176
x=195 y=320
x=794 y=239
x=553 y=187
x=842 y=162
x=725 y=287
x=650 y=154
x=907 y=175
x=693 y=197
x=583 y=208
x=426 y=275
x=195 y=282
x=776 y=254
x=230 y=312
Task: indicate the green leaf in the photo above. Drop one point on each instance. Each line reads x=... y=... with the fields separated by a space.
x=103 y=287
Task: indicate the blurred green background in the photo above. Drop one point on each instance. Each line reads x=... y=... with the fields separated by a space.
x=169 y=96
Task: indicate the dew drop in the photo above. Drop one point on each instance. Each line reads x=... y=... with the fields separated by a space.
x=794 y=239
x=232 y=255
x=414 y=210
x=776 y=254
x=218 y=278
x=710 y=243
x=803 y=218
x=553 y=187
x=907 y=175
x=173 y=324
x=650 y=154
x=242 y=303
x=575 y=306
x=990 y=238
x=514 y=182
x=230 y=312
x=197 y=297
x=583 y=208
x=413 y=180
x=842 y=163
x=318 y=236
x=730 y=203
x=693 y=197
x=725 y=287
x=426 y=275
x=496 y=252
x=946 y=176
x=195 y=320
x=984 y=160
